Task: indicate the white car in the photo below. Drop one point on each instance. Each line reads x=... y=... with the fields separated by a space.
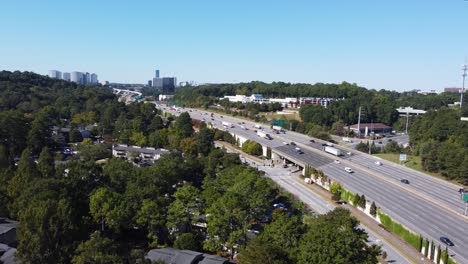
x=378 y=163
x=348 y=170
x=337 y=161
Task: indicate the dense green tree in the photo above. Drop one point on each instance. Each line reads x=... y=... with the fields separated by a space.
x=183 y=126
x=204 y=141
x=98 y=249
x=259 y=252
x=373 y=209
x=182 y=212
x=150 y=217
x=107 y=209
x=336 y=238
x=188 y=241
x=46 y=163
x=46 y=232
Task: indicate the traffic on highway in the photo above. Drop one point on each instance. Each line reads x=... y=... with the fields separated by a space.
x=424 y=204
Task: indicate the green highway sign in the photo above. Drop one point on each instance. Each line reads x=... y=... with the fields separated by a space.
x=465 y=197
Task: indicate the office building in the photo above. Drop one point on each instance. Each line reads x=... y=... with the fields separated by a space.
x=55 y=74
x=94 y=78
x=158 y=83
x=168 y=85
x=77 y=77
x=150 y=83
x=156 y=74
x=453 y=90
x=66 y=76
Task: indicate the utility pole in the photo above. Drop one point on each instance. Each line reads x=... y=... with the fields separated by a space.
x=407 y=121
x=359 y=123
x=463 y=85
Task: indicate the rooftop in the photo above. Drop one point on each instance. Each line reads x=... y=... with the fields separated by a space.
x=175 y=256
x=139 y=149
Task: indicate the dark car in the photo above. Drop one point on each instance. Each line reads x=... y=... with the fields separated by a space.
x=446 y=241
x=313 y=141
x=292 y=143
x=405 y=181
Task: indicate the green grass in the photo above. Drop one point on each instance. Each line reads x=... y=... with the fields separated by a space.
x=412 y=162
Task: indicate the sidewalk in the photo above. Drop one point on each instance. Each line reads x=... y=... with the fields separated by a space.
x=402 y=246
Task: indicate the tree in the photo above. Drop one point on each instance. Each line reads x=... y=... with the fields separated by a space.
x=138 y=138
x=373 y=209
x=75 y=135
x=46 y=163
x=150 y=217
x=204 y=141
x=336 y=238
x=98 y=249
x=47 y=232
x=183 y=126
x=107 y=208
x=182 y=212
x=259 y=252
x=439 y=252
x=188 y=241
x=362 y=202
x=336 y=189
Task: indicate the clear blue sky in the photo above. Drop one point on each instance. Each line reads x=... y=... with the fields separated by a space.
x=397 y=45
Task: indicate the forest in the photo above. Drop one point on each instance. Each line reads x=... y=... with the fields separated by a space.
x=94 y=208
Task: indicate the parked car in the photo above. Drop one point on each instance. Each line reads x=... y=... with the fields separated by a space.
x=446 y=241
x=405 y=181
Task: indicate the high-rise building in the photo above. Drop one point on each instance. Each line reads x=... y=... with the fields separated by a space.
x=156 y=74
x=77 y=77
x=55 y=74
x=150 y=83
x=94 y=78
x=158 y=83
x=66 y=76
x=169 y=85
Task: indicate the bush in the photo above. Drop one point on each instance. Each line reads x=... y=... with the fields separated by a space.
x=252 y=148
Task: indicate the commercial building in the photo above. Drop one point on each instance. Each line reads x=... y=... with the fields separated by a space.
x=371 y=128
x=452 y=90
x=55 y=74
x=156 y=73
x=66 y=76
x=169 y=84
x=77 y=77
x=410 y=111
x=150 y=83
x=165 y=97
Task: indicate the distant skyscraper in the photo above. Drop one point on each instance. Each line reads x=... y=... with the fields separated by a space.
x=158 y=83
x=77 y=77
x=150 y=83
x=94 y=78
x=168 y=85
x=66 y=76
x=156 y=74
x=55 y=74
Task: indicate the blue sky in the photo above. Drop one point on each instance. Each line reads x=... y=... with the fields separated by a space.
x=396 y=45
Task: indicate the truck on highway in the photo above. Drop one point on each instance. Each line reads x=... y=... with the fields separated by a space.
x=227 y=124
x=263 y=135
x=277 y=128
x=333 y=151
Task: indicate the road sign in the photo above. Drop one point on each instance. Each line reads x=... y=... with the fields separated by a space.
x=402 y=157
x=279 y=122
x=465 y=197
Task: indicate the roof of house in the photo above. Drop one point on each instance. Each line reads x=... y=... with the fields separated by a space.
x=175 y=256
x=371 y=125
x=7 y=224
x=139 y=149
x=7 y=254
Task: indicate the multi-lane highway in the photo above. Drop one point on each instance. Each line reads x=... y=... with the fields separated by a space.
x=427 y=205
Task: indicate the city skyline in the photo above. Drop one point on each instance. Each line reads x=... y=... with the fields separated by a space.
x=396 y=46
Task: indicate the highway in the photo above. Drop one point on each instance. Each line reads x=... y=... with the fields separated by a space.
x=427 y=205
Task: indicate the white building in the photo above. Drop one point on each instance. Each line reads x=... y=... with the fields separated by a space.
x=55 y=74
x=165 y=97
x=66 y=76
x=410 y=111
x=145 y=155
x=77 y=77
x=94 y=78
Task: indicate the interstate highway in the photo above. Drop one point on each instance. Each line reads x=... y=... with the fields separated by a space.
x=406 y=204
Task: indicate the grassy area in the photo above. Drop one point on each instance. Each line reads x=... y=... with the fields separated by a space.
x=413 y=162
x=270 y=115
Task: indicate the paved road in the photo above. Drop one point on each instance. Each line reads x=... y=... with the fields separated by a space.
x=427 y=205
x=284 y=178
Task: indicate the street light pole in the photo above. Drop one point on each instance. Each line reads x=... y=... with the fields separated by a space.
x=463 y=85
